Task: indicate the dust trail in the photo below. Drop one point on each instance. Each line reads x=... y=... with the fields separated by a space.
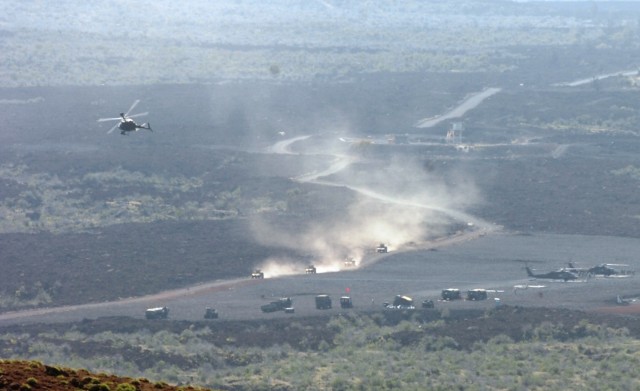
x=342 y=162
x=282 y=147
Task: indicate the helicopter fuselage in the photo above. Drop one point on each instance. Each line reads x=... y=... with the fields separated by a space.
x=128 y=125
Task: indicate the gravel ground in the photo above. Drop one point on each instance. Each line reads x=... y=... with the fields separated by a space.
x=494 y=262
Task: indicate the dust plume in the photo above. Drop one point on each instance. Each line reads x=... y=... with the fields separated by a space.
x=399 y=203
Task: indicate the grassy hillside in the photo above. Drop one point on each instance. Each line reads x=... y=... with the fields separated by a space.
x=506 y=348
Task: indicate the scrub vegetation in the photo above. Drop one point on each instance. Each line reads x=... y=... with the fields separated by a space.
x=504 y=348
x=106 y=43
x=86 y=218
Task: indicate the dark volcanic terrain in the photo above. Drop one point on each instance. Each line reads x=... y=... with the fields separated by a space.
x=93 y=216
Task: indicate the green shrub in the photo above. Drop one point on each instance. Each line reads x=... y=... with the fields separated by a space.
x=99 y=387
x=125 y=387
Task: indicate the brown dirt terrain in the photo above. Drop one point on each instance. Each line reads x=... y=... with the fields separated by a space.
x=33 y=375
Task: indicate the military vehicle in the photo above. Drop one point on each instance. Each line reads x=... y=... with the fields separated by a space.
x=278 y=305
x=477 y=294
x=310 y=269
x=382 y=248
x=126 y=122
x=350 y=262
x=257 y=274
x=346 y=302
x=427 y=303
x=603 y=269
x=451 y=294
x=157 y=313
x=323 y=302
x=210 y=313
x=401 y=302
x=561 y=274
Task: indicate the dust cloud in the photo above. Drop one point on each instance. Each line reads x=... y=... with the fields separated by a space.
x=399 y=203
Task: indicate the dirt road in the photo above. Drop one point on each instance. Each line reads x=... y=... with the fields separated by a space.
x=469 y=103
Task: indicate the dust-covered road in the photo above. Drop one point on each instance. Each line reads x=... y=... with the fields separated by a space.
x=492 y=262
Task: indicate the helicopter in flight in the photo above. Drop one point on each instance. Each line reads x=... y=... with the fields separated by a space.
x=127 y=124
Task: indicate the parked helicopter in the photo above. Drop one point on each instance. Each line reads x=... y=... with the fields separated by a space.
x=127 y=124
x=561 y=274
x=603 y=269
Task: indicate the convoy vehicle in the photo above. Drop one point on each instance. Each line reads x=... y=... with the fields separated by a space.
x=310 y=269
x=427 y=303
x=477 y=294
x=350 y=262
x=382 y=248
x=257 y=274
x=323 y=302
x=210 y=313
x=403 y=302
x=278 y=305
x=400 y=302
x=346 y=302
x=451 y=294
x=157 y=313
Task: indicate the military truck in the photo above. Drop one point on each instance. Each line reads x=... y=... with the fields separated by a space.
x=157 y=313
x=477 y=294
x=402 y=302
x=210 y=313
x=346 y=302
x=310 y=269
x=451 y=294
x=427 y=303
x=257 y=274
x=382 y=248
x=278 y=305
x=323 y=302
x=350 y=262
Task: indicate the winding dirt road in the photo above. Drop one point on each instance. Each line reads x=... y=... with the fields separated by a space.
x=478 y=228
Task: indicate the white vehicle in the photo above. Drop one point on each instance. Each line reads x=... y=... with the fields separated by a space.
x=157 y=313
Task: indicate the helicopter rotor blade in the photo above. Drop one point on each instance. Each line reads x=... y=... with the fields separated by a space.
x=114 y=128
x=138 y=115
x=132 y=107
x=109 y=119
